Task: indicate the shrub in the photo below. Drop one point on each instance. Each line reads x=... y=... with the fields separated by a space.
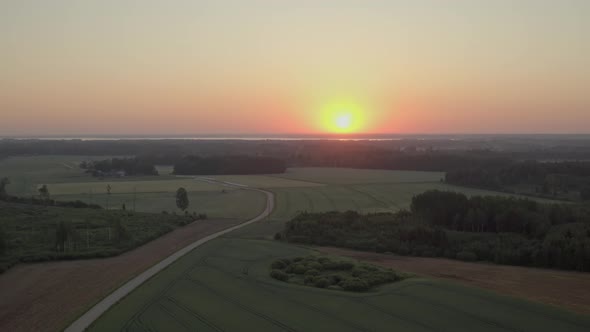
x=312 y=272
x=299 y=269
x=354 y=285
x=314 y=265
x=278 y=264
x=279 y=275
x=322 y=282
x=309 y=280
x=467 y=256
x=338 y=265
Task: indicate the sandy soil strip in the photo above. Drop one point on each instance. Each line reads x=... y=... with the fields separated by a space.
x=566 y=289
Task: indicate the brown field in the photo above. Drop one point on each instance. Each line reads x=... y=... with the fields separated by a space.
x=565 y=289
x=47 y=296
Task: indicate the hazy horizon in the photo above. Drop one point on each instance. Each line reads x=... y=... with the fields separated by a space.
x=150 y=68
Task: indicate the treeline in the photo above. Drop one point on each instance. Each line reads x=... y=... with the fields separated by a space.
x=444 y=224
x=35 y=233
x=193 y=165
x=555 y=179
x=119 y=167
x=43 y=198
x=77 y=204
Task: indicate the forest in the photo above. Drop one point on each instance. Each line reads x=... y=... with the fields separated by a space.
x=447 y=224
x=195 y=165
x=550 y=179
x=119 y=167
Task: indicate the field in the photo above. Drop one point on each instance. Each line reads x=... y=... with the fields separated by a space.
x=568 y=289
x=224 y=286
x=344 y=189
x=153 y=194
x=47 y=296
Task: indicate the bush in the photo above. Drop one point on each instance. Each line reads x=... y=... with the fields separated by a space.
x=343 y=274
x=322 y=282
x=338 y=265
x=312 y=272
x=299 y=269
x=467 y=256
x=279 y=275
x=278 y=264
x=354 y=285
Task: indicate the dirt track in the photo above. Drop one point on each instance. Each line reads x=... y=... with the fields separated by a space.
x=46 y=296
x=566 y=289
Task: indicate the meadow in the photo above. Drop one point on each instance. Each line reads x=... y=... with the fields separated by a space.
x=151 y=194
x=225 y=286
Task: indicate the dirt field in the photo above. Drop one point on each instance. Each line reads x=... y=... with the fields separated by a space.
x=566 y=289
x=47 y=296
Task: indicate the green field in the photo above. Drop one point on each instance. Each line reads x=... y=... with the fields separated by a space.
x=353 y=176
x=225 y=286
x=344 y=191
x=67 y=182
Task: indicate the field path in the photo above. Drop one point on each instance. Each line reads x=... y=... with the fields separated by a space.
x=84 y=321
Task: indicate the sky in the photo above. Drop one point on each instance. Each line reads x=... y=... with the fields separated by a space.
x=294 y=67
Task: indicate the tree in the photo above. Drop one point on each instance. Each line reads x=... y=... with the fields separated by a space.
x=108 y=194
x=3 y=183
x=2 y=241
x=121 y=232
x=182 y=199
x=44 y=192
x=64 y=236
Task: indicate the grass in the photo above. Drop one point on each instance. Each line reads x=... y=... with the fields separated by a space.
x=262 y=181
x=355 y=176
x=30 y=232
x=125 y=187
x=233 y=204
x=152 y=194
x=225 y=285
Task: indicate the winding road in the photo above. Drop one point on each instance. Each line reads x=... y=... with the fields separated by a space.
x=84 y=321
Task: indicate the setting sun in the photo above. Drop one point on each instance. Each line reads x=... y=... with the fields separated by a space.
x=342 y=117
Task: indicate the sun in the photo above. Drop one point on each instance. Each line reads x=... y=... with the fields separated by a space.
x=343 y=121
x=342 y=117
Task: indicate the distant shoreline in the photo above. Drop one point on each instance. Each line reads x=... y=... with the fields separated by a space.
x=294 y=137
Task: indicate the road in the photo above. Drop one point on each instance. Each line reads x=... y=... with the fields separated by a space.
x=84 y=321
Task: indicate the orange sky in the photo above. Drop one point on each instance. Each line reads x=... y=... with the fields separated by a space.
x=267 y=66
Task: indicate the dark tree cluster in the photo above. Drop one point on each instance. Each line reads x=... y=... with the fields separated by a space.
x=332 y=273
x=445 y=224
x=547 y=178
x=195 y=165
x=119 y=167
x=49 y=202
